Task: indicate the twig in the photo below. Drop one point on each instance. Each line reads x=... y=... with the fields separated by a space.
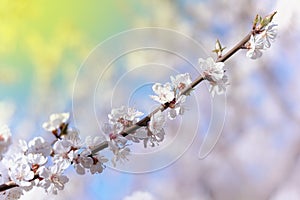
x=234 y=49
x=8 y=185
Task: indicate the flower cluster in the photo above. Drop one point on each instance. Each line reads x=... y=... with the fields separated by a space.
x=170 y=94
x=214 y=73
x=57 y=124
x=39 y=163
x=264 y=32
x=42 y=164
x=119 y=119
x=122 y=118
x=154 y=133
x=23 y=164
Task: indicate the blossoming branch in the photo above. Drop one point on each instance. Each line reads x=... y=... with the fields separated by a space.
x=38 y=163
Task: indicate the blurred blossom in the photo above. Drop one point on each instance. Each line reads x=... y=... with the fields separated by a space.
x=289 y=192
x=139 y=195
x=56 y=120
x=7 y=110
x=5 y=139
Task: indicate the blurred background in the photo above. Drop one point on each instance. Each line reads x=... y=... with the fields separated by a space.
x=44 y=43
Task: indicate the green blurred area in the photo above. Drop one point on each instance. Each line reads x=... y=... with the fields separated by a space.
x=39 y=39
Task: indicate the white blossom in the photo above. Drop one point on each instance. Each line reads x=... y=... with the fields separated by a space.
x=55 y=121
x=92 y=142
x=125 y=116
x=219 y=87
x=141 y=133
x=269 y=34
x=213 y=71
x=74 y=139
x=82 y=161
x=255 y=45
x=63 y=153
x=5 y=139
x=79 y=169
x=261 y=41
x=22 y=163
x=53 y=180
x=181 y=81
x=120 y=118
x=97 y=166
x=23 y=146
x=215 y=74
x=157 y=122
x=120 y=154
x=154 y=133
x=164 y=93
x=85 y=160
x=171 y=93
x=38 y=145
x=36 y=159
x=155 y=139
x=144 y=134
x=177 y=108
x=20 y=171
x=113 y=130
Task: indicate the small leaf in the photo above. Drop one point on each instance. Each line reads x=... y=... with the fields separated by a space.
x=269 y=18
x=265 y=21
x=218 y=48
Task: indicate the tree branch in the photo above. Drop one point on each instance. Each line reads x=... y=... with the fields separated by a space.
x=234 y=49
x=145 y=120
x=8 y=185
x=199 y=79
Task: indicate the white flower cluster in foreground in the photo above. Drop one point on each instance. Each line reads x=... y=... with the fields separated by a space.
x=264 y=32
x=41 y=164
